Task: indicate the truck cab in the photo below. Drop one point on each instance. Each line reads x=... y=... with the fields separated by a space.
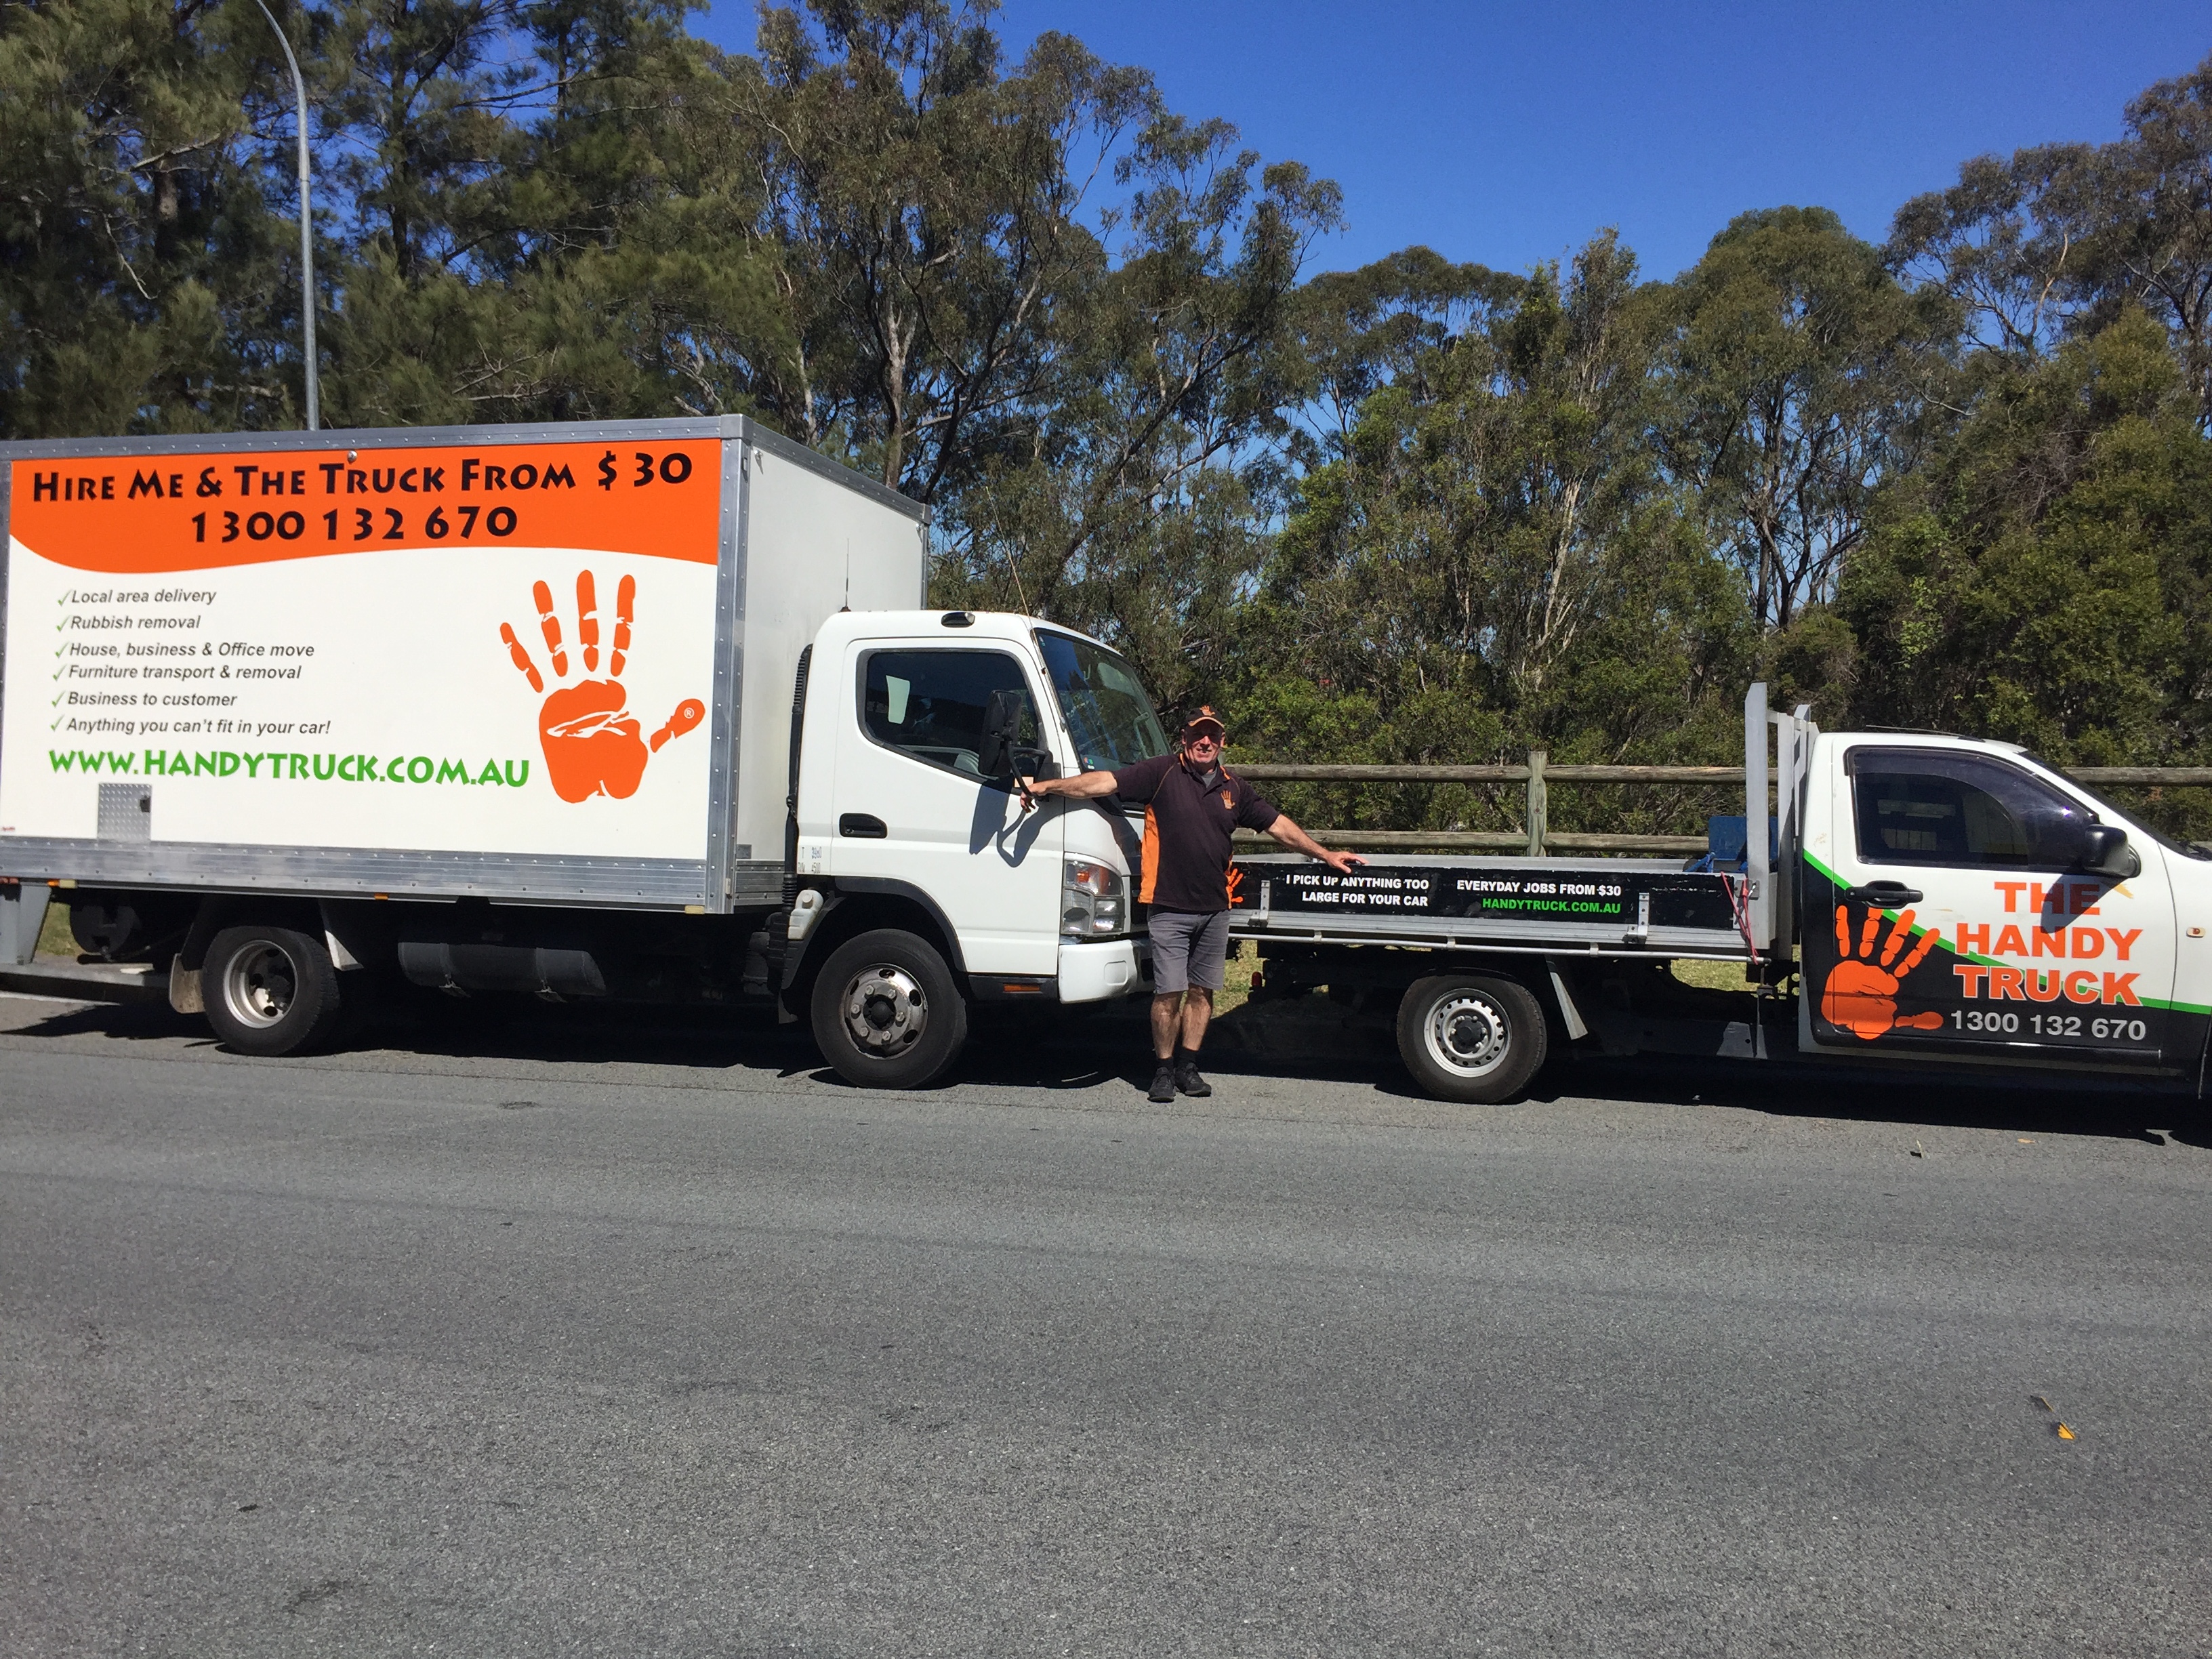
x=1963 y=901
x=912 y=729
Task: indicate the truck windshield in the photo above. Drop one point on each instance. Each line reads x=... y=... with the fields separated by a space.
x=2196 y=850
x=1107 y=714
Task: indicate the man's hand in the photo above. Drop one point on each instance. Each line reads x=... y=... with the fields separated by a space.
x=1083 y=786
x=1340 y=862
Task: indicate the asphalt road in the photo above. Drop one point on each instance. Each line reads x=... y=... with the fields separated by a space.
x=583 y=1336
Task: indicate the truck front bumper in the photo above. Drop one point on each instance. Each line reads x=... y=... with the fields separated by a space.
x=1092 y=973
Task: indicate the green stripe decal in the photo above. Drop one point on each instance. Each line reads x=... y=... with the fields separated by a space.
x=1945 y=945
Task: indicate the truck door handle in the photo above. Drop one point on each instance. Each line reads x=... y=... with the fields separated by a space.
x=1884 y=895
x=863 y=826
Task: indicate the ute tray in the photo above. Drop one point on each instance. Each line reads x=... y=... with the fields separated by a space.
x=1618 y=907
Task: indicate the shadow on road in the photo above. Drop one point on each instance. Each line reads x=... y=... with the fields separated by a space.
x=1074 y=1049
x=1807 y=1088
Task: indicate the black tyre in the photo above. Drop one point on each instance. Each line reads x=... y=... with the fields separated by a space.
x=886 y=1012
x=1471 y=1037
x=269 y=990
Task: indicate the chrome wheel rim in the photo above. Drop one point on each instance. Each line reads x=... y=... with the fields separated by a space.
x=1466 y=1034
x=885 y=1010
x=260 y=985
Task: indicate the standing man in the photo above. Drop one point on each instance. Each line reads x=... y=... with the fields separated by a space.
x=1192 y=804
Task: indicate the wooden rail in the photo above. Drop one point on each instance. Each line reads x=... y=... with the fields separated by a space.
x=1295 y=774
x=1484 y=840
x=1536 y=776
x=2175 y=776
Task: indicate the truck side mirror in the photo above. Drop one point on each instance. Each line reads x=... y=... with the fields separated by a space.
x=1002 y=724
x=2104 y=852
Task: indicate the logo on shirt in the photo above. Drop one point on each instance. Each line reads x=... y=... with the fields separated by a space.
x=1228 y=799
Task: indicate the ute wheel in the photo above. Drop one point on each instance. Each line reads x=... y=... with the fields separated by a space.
x=886 y=1012
x=269 y=990
x=1471 y=1037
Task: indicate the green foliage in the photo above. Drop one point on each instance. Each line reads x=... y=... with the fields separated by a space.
x=2041 y=578
x=1497 y=560
x=1798 y=364
x=141 y=275
x=1417 y=511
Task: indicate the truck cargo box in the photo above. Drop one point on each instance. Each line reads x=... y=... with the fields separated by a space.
x=551 y=664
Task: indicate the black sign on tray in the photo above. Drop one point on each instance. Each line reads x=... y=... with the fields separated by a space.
x=1533 y=893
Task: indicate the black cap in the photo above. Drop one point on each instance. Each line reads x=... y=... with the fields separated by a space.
x=1202 y=715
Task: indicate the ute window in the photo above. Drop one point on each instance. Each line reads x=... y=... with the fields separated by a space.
x=1107 y=714
x=930 y=704
x=1927 y=806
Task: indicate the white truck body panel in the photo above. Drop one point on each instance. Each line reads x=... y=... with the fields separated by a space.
x=343 y=662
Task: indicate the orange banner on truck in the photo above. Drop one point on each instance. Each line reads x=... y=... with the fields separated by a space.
x=148 y=514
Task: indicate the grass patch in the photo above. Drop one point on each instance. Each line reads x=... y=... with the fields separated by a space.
x=1709 y=975
x=1236 y=976
x=55 y=939
x=1713 y=975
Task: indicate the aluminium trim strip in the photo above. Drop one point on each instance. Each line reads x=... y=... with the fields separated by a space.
x=728 y=691
x=787 y=449
x=631 y=884
x=7 y=541
x=376 y=437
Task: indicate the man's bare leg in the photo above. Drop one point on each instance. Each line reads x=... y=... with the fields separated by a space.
x=1197 y=1011
x=1166 y=1007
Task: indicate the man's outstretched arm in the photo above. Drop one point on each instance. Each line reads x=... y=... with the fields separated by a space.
x=1083 y=786
x=1297 y=841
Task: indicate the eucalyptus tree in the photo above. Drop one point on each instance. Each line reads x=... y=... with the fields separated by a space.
x=1799 y=367
x=2051 y=241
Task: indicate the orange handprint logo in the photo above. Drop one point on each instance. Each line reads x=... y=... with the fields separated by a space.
x=1861 y=993
x=592 y=743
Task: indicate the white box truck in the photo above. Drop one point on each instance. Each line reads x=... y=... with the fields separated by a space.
x=513 y=708
x=651 y=711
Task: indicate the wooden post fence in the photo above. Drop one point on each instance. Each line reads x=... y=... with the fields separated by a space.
x=1536 y=776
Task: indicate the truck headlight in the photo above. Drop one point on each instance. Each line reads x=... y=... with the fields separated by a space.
x=1094 y=901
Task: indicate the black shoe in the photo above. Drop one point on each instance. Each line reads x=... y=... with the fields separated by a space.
x=1188 y=1079
x=1164 y=1084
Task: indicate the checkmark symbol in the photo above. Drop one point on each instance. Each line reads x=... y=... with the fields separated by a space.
x=59 y=696
x=54 y=723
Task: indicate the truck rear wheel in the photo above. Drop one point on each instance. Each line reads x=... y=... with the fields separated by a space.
x=1472 y=1037
x=269 y=990
x=886 y=1012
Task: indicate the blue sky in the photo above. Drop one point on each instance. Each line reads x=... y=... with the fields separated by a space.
x=1508 y=133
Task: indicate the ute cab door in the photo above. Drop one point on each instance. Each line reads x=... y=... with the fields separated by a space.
x=916 y=817
x=1968 y=904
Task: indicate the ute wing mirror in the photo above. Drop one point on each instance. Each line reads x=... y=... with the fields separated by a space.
x=2104 y=852
x=1003 y=755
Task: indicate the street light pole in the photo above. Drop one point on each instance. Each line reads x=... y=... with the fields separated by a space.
x=306 y=232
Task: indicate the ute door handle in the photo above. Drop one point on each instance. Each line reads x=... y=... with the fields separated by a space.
x=1884 y=895
x=864 y=826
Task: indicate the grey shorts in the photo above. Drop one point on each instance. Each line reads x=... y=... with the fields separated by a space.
x=1189 y=949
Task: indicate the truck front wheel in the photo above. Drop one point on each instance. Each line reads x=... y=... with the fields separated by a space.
x=1472 y=1037
x=269 y=990
x=886 y=1012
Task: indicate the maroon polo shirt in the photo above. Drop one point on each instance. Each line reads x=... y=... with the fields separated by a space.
x=1189 y=815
